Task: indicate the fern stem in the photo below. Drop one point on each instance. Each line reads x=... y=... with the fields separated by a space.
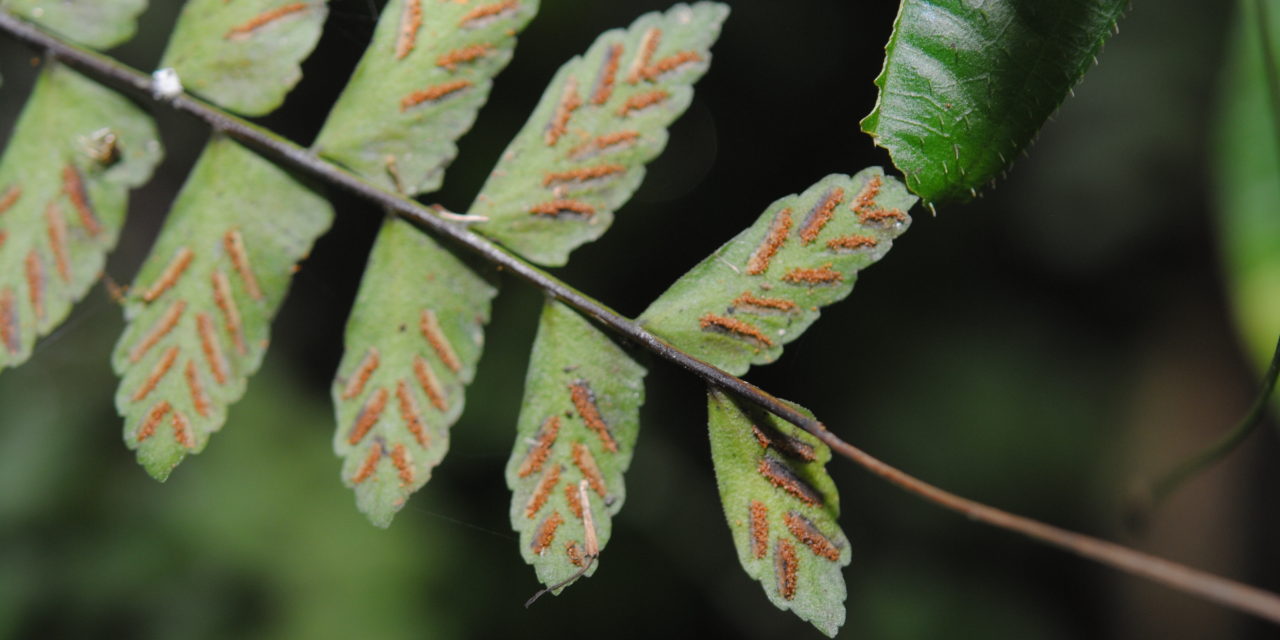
x=1209 y=456
x=1180 y=577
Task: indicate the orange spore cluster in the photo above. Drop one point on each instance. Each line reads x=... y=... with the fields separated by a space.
x=734 y=326
x=584 y=402
x=542 y=448
x=777 y=236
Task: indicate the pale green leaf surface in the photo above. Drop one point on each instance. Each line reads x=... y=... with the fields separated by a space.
x=1247 y=183
x=412 y=344
x=244 y=55
x=75 y=152
x=198 y=314
x=763 y=288
x=100 y=24
x=966 y=86
x=782 y=509
x=579 y=420
x=418 y=88
x=603 y=117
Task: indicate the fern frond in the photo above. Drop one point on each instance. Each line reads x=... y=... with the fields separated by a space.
x=75 y=152
x=578 y=422
x=100 y=24
x=782 y=508
x=603 y=117
x=199 y=311
x=763 y=288
x=413 y=340
x=244 y=55
x=418 y=88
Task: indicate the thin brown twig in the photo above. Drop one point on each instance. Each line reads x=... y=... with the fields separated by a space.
x=1204 y=585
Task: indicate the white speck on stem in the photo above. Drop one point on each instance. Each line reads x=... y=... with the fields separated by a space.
x=165 y=84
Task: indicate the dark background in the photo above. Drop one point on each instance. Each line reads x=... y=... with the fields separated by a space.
x=1040 y=349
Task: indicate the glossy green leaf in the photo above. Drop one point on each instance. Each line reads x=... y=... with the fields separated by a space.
x=244 y=55
x=782 y=508
x=418 y=88
x=579 y=421
x=75 y=152
x=763 y=288
x=413 y=340
x=603 y=117
x=1247 y=184
x=966 y=86
x=199 y=311
x=100 y=24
